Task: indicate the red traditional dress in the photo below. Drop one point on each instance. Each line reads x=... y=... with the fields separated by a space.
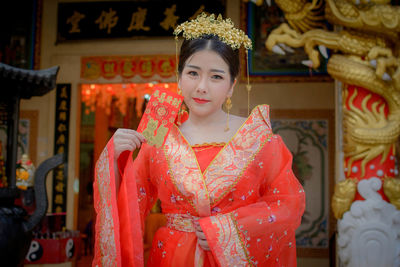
x=244 y=193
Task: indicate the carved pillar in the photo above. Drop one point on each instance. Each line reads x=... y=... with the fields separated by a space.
x=368 y=225
x=365 y=59
x=363 y=109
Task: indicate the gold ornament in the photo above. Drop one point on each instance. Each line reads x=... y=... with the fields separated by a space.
x=391 y=188
x=303 y=15
x=228 y=106
x=380 y=18
x=208 y=25
x=363 y=54
x=248 y=86
x=345 y=192
x=361 y=141
x=176 y=62
x=368 y=134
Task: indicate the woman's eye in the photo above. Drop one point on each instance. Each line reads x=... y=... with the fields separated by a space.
x=192 y=73
x=217 y=77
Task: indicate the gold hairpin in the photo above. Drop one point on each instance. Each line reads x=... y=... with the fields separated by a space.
x=208 y=25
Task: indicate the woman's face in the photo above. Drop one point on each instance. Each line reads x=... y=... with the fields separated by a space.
x=205 y=83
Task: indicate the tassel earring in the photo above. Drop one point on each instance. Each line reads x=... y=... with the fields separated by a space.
x=248 y=86
x=179 y=91
x=228 y=106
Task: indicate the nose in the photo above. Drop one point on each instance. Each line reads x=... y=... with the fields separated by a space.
x=202 y=86
x=201 y=90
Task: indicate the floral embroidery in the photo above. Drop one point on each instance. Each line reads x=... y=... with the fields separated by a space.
x=271 y=218
x=185 y=172
x=105 y=239
x=224 y=171
x=227 y=168
x=142 y=191
x=215 y=210
x=179 y=222
x=231 y=250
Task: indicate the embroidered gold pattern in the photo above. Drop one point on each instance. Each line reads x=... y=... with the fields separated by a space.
x=180 y=223
x=105 y=235
x=230 y=251
x=209 y=144
x=185 y=172
x=227 y=168
x=241 y=239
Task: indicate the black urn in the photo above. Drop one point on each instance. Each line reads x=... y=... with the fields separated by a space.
x=15 y=224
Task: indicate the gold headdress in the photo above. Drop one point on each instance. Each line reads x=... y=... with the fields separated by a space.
x=224 y=29
x=208 y=25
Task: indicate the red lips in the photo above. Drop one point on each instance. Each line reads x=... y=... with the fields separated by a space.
x=201 y=101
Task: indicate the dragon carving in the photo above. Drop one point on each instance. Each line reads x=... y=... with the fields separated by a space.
x=365 y=50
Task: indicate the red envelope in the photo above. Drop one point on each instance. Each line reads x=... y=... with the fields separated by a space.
x=159 y=116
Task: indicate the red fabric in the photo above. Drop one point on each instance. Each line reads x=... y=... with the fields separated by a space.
x=266 y=227
x=107 y=242
x=248 y=198
x=205 y=154
x=128 y=210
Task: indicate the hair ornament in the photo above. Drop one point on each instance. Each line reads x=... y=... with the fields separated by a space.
x=208 y=25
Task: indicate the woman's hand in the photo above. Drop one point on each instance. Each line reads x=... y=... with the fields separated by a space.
x=127 y=139
x=201 y=236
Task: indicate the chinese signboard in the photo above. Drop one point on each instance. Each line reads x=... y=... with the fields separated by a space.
x=99 y=20
x=61 y=138
x=127 y=67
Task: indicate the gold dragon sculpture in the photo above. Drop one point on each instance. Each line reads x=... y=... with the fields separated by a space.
x=365 y=50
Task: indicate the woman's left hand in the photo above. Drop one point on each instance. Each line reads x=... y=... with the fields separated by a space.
x=201 y=236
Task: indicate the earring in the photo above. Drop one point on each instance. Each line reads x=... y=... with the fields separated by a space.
x=228 y=106
x=180 y=111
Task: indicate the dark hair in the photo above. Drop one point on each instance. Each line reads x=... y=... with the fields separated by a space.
x=213 y=43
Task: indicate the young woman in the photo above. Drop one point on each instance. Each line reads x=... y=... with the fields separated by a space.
x=228 y=193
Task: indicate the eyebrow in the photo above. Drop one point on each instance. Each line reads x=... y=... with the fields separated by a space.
x=198 y=68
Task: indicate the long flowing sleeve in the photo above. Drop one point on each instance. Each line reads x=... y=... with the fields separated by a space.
x=120 y=219
x=261 y=233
